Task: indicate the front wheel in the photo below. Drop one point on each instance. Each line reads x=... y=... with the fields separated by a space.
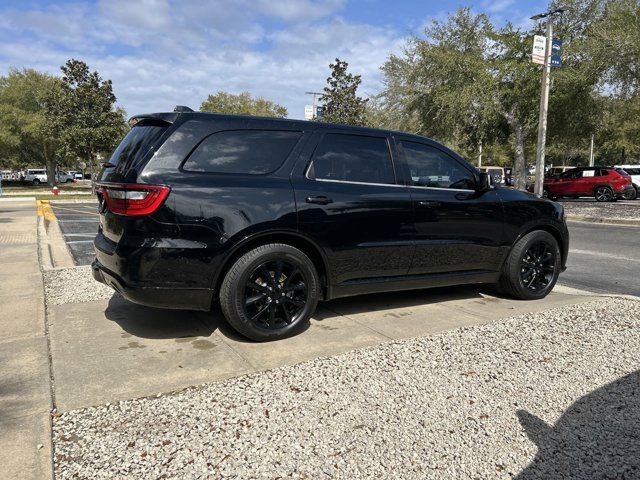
x=532 y=267
x=36 y=181
x=603 y=194
x=270 y=292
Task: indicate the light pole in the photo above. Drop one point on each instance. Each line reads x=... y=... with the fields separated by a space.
x=544 y=99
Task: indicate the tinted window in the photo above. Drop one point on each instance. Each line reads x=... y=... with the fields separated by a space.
x=254 y=152
x=574 y=173
x=135 y=145
x=352 y=158
x=430 y=167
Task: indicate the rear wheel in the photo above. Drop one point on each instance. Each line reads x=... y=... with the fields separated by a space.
x=603 y=194
x=630 y=194
x=36 y=181
x=270 y=292
x=532 y=267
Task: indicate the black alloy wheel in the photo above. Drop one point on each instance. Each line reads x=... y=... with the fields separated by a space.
x=538 y=266
x=270 y=292
x=604 y=194
x=275 y=294
x=532 y=267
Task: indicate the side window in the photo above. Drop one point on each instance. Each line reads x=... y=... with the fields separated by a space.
x=602 y=172
x=254 y=152
x=431 y=167
x=352 y=158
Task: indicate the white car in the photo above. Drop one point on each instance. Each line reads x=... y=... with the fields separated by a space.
x=35 y=175
x=634 y=172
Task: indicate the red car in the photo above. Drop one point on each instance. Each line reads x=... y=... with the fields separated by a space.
x=604 y=183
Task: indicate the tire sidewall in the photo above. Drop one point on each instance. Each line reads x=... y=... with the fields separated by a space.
x=280 y=252
x=529 y=240
x=603 y=188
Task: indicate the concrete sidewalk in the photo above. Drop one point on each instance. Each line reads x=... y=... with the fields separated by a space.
x=130 y=351
x=25 y=393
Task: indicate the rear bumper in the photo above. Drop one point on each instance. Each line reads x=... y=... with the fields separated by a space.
x=626 y=190
x=160 y=297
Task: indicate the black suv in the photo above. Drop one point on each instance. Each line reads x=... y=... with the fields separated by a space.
x=270 y=216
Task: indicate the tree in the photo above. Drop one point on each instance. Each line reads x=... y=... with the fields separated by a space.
x=442 y=81
x=341 y=102
x=82 y=113
x=26 y=135
x=242 y=104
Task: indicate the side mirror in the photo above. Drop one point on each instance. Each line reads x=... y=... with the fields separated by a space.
x=484 y=182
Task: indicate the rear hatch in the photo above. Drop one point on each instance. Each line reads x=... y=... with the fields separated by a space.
x=124 y=202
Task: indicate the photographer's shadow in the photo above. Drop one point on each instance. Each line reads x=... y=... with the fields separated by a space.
x=597 y=437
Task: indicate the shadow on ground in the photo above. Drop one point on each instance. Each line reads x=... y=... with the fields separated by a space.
x=158 y=323
x=597 y=437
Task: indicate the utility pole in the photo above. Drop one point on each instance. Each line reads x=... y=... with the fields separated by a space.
x=480 y=153
x=544 y=99
x=316 y=96
x=591 y=159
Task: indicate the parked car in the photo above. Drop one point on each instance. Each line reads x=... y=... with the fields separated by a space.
x=77 y=176
x=35 y=176
x=634 y=173
x=606 y=184
x=497 y=174
x=270 y=216
x=64 y=177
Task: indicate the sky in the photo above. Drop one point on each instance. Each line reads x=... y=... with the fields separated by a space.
x=162 y=53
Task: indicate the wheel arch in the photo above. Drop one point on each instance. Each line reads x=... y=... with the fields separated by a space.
x=564 y=248
x=295 y=239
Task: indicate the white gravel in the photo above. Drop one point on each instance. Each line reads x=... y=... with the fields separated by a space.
x=73 y=285
x=627 y=210
x=463 y=404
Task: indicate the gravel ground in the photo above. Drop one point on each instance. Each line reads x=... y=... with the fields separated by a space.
x=547 y=395
x=616 y=210
x=73 y=285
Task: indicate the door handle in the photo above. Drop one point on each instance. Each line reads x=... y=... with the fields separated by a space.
x=425 y=203
x=320 y=200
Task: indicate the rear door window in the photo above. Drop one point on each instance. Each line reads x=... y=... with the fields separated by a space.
x=253 y=152
x=352 y=158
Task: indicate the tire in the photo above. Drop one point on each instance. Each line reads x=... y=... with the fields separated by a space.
x=36 y=181
x=263 y=305
x=546 y=194
x=514 y=276
x=631 y=195
x=603 y=193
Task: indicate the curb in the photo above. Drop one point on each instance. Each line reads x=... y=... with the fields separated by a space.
x=631 y=222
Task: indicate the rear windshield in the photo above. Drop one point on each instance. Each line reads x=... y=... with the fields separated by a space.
x=135 y=145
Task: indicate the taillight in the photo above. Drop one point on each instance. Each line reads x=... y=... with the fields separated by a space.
x=133 y=198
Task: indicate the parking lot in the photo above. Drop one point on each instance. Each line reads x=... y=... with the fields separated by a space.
x=79 y=225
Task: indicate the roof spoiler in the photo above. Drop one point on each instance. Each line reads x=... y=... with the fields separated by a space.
x=166 y=117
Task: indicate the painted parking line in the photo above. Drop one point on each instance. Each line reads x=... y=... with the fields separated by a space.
x=75 y=210
x=79 y=241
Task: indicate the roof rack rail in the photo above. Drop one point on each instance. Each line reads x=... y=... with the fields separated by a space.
x=182 y=108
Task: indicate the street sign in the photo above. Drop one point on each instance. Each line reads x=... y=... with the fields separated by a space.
x=539 y=47
x=308 y=112
x=556 y=47
x=319 y=111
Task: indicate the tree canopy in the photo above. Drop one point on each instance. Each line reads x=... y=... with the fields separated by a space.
x=341 y=102
x=242 y=104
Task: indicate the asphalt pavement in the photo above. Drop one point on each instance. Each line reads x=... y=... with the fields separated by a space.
x=603 y=258
x=79 y=225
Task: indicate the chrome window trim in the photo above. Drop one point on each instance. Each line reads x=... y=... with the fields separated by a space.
x=354 y=183
x=443 y=188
